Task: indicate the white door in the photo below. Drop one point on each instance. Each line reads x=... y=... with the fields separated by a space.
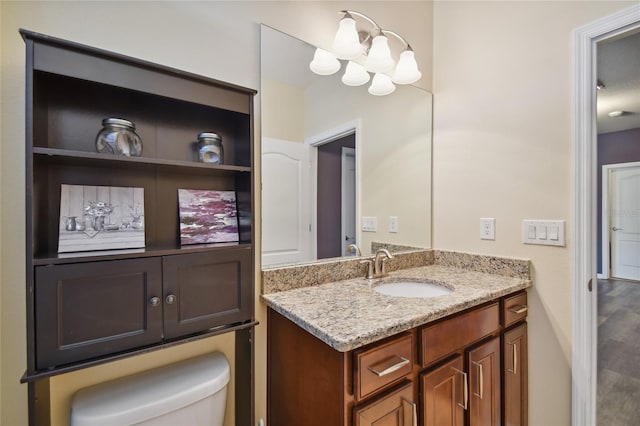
x=286 y=204
x=348 y=211
x=624 y=222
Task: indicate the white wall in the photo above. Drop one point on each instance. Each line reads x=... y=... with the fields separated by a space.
x=394 y=154
x=283 y=117
x=503 y=149
x=216 y=39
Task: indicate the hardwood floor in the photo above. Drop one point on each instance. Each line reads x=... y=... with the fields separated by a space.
x=618 y=353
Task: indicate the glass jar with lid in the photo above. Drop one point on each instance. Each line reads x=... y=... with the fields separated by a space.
x=118 y=136
x=210 y=148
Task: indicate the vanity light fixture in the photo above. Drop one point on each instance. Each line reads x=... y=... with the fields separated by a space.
x=366 y=48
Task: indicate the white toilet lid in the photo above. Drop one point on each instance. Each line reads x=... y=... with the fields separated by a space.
x=150 y=394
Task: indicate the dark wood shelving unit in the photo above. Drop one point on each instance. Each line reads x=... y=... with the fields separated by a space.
x=92 y=307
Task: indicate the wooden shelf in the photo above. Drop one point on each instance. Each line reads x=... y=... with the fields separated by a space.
x=37 y=375
x=81 y=157
x=91 y=256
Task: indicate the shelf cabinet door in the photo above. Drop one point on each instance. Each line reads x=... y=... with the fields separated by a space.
x=484 y=384
x=87 y=310
x=515 y=376
x=444 y=394
x=394 y=409
x=206 y=290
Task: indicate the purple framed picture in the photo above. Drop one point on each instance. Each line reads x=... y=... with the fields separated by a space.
x=207 y=216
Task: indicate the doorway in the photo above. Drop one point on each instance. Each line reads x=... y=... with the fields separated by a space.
x=348 y=191
x=584 y=359
x=336 y=196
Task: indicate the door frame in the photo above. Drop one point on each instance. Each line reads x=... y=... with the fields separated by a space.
x=606 y=223
x=330 y=135
x=584 y=366
x=343 y=199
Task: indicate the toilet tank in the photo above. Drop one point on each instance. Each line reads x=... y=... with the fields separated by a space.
x=190 y=392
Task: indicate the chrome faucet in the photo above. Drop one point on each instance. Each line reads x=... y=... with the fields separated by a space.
x=352 y=248
x=379 y=266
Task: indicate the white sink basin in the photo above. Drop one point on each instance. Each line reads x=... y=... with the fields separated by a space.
x=411 y=289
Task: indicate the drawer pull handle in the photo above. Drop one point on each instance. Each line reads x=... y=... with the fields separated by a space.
x=465 y=389
x=520 y=309
x=515 y=358
x=154 y=301
x=413 y=412
x=170 y=299
x=481 y=380
x=397 y=366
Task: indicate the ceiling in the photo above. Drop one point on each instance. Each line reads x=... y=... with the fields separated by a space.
x=619 y=70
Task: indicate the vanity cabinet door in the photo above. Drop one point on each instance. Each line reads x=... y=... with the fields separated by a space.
x=206 y=290
x=93 y=309
x=515 y=376
x=445 y=394
x=394 y=409
x=484 y=384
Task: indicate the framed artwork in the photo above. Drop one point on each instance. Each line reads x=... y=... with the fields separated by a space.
x=96 y=218
x=207 y=216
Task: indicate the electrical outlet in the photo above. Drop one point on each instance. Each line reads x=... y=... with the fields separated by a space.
x=393 y=224
x=487 y=228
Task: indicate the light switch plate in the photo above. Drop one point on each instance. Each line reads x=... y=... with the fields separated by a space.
x=369 y=223
x=543 y=232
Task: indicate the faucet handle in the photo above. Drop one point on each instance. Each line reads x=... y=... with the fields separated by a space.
x=369 y=262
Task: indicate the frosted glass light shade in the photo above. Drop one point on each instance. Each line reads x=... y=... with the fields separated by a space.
x=381 y=85
x=324 y=63
x=407 y=69
x=379 y=58
x=355 y=75
x=346 y=44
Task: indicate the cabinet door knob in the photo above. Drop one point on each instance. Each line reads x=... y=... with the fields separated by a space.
x=154 y=301
x=170 y=299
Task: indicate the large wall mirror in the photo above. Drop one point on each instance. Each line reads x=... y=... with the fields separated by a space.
x=336 y=160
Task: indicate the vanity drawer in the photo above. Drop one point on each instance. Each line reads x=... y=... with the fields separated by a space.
x=444 y=338
x=382 y=365
x=514 y=309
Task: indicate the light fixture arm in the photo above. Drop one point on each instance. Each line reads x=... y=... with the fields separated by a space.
x=350 y=13
x=407 y=46
x=377 y=29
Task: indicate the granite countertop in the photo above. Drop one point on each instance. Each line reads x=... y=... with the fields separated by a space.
x=349 y=314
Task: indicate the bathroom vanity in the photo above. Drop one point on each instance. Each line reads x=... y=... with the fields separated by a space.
x=343 y=354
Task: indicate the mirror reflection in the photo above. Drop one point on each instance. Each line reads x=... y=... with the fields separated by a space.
x=339 y=166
